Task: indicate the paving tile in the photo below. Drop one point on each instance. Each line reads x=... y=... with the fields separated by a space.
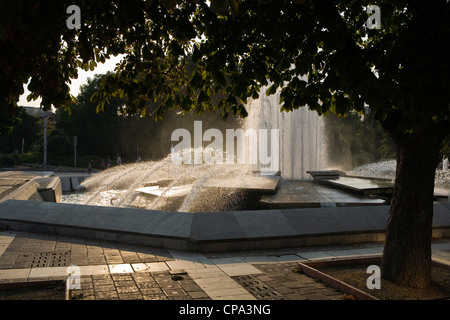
x=162 y=254
x=341 y=253
x=237 y=293
x=121 y=277
x=114 y=260
x=94 y=270
x=227 y=260
x=235 y=296
x=145 y=257
x=130 y=296
x=198 y=294
x=286 y=258
x=190 y=256
x=102 y=282
x=14 y=273
x=239 y=269
x=104 y=287
x=127 y=289
x=148 y=286
x=140 y=267
x=257 y=259
x=160 y=296
x=143 y=278
x=124 y=283
x=157 y=266
x=368 y=251
x=205 y=273
x=314 y=255
x=189 y=285
x=96 y=261
x=120 y=268
x=151 y=291
x=5 y=241
x=184 y=265
x=174 y=292
x=48 y=272
x=106 y=295
x=218 y=283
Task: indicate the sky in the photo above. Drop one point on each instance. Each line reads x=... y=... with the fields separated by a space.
x=109 y=65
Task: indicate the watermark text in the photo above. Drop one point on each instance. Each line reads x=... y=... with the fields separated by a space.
x=373 y=281
x=241 y=147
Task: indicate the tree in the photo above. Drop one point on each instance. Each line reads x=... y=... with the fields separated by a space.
x=355 y=140
x=15 y=126
x=319 y=53
x=97 y=132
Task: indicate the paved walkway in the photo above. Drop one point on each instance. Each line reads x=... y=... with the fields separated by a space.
x=110 y=270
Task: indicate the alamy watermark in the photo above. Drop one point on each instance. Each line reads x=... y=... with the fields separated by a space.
x=374 y=280
x=74 y=278
x=374 y=20
x=74 y=20
x=241 y=147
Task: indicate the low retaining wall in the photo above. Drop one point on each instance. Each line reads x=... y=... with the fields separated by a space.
x=209 y=231
x=71 y=183
x=50 y=189
x=38 y=189
x=27 y=191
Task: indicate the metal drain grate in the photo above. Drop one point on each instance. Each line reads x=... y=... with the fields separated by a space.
x=50 y=259
x=257 y=288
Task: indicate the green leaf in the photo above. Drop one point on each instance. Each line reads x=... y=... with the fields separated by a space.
x=34 y=84
x=272 y=90
x=203 y=97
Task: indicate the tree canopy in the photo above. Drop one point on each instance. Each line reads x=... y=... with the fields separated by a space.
x=318 y=52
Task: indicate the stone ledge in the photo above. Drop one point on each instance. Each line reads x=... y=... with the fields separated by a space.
x=218 y=231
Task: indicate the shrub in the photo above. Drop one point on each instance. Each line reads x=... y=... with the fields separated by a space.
x=9 y=160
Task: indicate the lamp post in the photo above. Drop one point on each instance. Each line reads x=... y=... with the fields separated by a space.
x=45 y=141
x=75 y=151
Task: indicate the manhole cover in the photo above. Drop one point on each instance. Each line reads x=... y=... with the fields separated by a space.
x=257 y=288
x=50 y=259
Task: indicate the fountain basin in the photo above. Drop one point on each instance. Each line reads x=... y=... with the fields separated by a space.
x=209 y=231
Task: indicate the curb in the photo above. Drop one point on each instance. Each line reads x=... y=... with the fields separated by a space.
x=308 y=269
x=335 y=283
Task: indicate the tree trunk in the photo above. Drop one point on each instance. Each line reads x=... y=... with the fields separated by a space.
x=407 y=252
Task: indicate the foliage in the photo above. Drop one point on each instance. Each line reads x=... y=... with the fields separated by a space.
x=20 y=126
x=9 y=160
x=354 y=140
x=9 y=117
x=96 y=131
x=33 y=157
x=319 y=53
x=112 y=131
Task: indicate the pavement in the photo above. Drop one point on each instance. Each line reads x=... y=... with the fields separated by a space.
x=107 y=270
x=101 y=269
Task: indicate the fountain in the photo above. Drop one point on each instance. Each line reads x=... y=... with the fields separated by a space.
x=160 y=185
x=272 y=162
x=301 y=145
x=292 y=145
x=203 y=206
